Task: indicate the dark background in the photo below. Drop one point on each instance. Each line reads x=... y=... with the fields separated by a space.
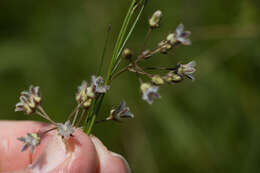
x=210 y=125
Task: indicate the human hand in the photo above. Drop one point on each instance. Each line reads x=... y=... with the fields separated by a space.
x=79 y=154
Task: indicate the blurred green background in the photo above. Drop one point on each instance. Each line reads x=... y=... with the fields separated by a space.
x=210 y=125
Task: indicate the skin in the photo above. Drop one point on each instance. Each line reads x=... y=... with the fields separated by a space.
x=79 y=153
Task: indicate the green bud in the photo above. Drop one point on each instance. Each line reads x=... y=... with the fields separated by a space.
x=171 y=38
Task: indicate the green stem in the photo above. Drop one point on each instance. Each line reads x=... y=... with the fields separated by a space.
x=91 y=124
x=119 y=45
x=120 y=39
x=104 y=51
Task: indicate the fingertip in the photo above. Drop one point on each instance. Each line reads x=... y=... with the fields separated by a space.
x=76 y=154
x=109 y=162
x=10 y=147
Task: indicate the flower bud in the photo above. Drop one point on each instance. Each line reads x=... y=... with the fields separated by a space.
x=157 y=80
x=154 y=21
x=172 y=77
x=127 y=53
x=171 y=38
x=87 y=103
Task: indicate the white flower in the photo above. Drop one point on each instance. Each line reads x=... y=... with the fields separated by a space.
x=30 y=140
x=97 y=82
x=182 y=36
x=65 y=130
x=149 y=92
x=188 y=69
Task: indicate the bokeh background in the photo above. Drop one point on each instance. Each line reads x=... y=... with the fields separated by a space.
x=210 y=125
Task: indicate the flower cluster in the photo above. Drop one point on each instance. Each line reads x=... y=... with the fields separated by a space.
x=86 y=94
x=173 y=74
x=89 y=96
x=29 y=100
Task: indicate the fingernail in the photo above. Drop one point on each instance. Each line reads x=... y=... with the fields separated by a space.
x=123 y=159
x=106 y=156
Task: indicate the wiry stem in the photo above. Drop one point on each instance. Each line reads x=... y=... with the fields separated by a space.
x=75 y=117
x=81 y=117
x=74 y=111
x=45 y=117
x=146 y=39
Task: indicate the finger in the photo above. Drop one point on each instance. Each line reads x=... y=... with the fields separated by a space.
x=11 y=157
x=77 y=154
x=109 y=162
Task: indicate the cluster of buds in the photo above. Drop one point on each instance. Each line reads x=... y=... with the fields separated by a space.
x=29 y=100
x=174 y=75
x=86 y=94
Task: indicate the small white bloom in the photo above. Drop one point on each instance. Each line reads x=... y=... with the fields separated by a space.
x=30 y=140
x=188 y=69
x=182 y=36
x=65 y=130
x=97 y=82
x=149 y=92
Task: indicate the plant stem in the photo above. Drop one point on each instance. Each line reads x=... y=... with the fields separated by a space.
x=119 y=40
x=104 y=51
x=75 y=117
x=91 y=124
x=146 y=39
x=81 y=117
